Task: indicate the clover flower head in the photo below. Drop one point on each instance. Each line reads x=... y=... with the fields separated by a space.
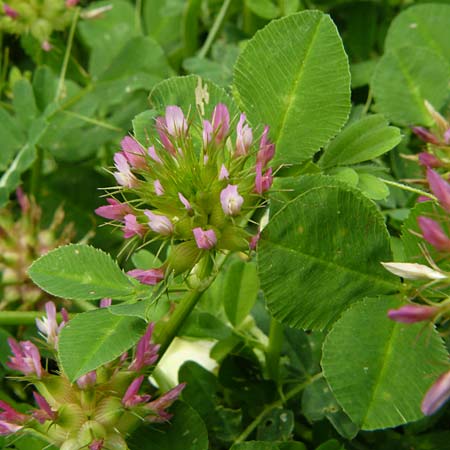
x=191 y=183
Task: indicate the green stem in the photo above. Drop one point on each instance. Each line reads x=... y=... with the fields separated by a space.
x=62 y=75
x=1 y=63
x=176 y=320
x=137 y=16
x=273 y=353
x=97 y=122
x=277 y=404
x=36 y=174
x=214 y=29
x=4 y=70
x=368 y=102
x=409 y=189
x=84 y=305
x=22 y=317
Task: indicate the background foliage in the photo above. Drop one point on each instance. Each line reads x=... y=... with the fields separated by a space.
x=304 y=355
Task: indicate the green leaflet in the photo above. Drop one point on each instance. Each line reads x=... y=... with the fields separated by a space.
x=320 y=253
x=361 y=141
x=80 y=272
x=404 y=78
x=378 y=369
x=293 y=76
x=422 y=26
x=94 y=338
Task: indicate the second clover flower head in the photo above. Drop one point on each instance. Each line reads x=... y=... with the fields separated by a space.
x=194 y=188
x=99 y=410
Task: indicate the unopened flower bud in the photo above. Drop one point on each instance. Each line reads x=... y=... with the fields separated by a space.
x=254 y=241
x=266 y=149
x=26 y=358
x=89 y=379
x=175 y=121
x=413 y=313
x=132 y=227
x=440 y=188
x=124 y=176
x=11 y=420
x=152 y=153
x=244 y=137
x=223 y=174
x=220 y=122
x=207 y=132
x=131 y=397
x=437 y=395
x=434 y=234
x=429 y=160
x=146 y=352
x=105 y=302
x=425 y=135
x=159 y=190
x=263 y=182
x=114 y=211
x=205 y=239
x=185 y=201
x=10 y=12
x=413 y=271
x=159 y=224
x=150 y=277
x=45 y=411
x=230 y=200
x=133 y=152
x=48 y=326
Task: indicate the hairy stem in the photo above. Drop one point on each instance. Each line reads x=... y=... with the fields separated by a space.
x=36 y=174
x=274 y=349
x=176 y=320
x=22 y=317
x=214 y=29
x=62 y=75
x=137 y=16
x=410 y=189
